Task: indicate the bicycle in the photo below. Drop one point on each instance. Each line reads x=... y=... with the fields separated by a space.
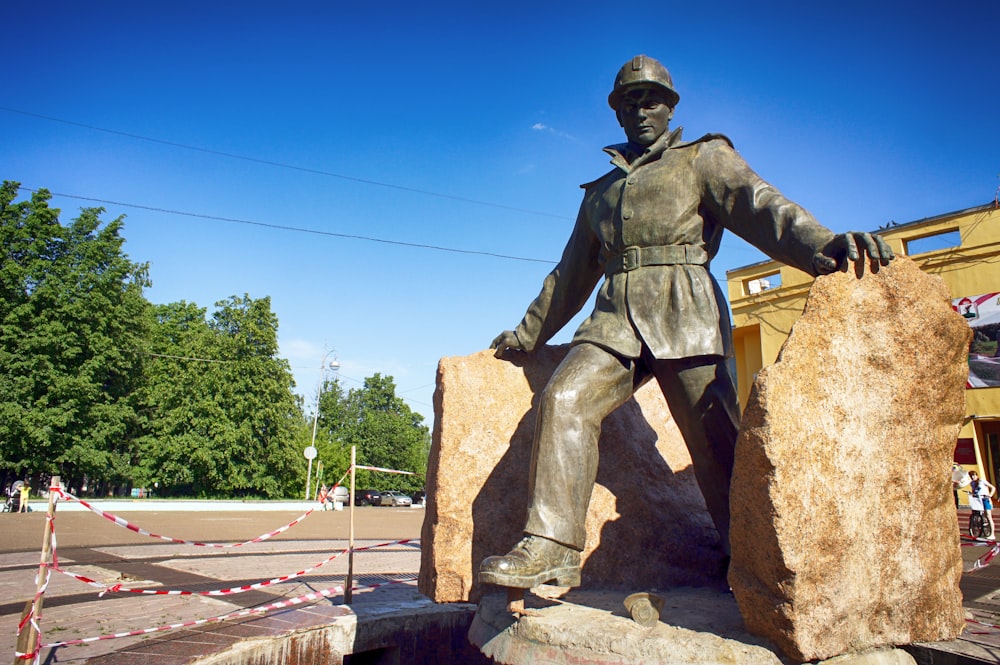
x=979 y=526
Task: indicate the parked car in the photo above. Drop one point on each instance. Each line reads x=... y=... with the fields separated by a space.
x=340 y=494
x=367 y=498
x=394 y=498
x=419 y=498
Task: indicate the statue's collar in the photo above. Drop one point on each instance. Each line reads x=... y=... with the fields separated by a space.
x=625 y=157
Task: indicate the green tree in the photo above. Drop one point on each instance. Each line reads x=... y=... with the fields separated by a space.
x=259 y=395
x=331 y=436
x=386 y=432
x=176 y=401
x=72 y=321
x=222 y=417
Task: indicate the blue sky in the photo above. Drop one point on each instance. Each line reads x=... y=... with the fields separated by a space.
x=467 y=126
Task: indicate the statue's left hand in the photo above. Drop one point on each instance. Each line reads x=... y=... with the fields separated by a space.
x=852 y=246
x=506 y=340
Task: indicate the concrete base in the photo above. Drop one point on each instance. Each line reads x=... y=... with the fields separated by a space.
x=697 y=625
x=418 y=632
x=398 y=627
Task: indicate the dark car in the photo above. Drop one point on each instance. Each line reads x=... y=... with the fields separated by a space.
x=367 y=498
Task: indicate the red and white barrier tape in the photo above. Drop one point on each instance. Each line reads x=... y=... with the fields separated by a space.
x=46 y=567
x=118 y=588
x=985 y=559
x=970 y=541
x=983 y=623
x=376 y=468
x=125 y=524
x=50 y=524
x=30 y=617
x=306 y=598
x=346 y=473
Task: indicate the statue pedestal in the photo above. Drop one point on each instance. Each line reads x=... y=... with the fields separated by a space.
x=647 y=525
x=697 y=625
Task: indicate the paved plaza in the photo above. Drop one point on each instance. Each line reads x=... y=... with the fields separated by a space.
x=95 y=548
x=92 y=547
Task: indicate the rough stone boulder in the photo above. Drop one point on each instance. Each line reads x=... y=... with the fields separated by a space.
x=647 y=525
x=844 y=534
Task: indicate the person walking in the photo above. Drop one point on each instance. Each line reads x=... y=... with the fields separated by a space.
x=25 y=493
x=959 y=478
x=324 y=497
x=982 y=489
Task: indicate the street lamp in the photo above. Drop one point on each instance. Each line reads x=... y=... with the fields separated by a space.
x=310 y=452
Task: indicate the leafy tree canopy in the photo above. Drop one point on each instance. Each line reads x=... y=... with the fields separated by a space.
x=72 y=319
x=109 y=391
x=386 y=432
x=222 y=418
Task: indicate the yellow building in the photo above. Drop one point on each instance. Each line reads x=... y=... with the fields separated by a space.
x=963 y=248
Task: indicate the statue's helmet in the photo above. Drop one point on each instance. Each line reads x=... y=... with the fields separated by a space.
x=642 y=71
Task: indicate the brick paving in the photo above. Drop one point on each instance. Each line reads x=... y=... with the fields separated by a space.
x=74 y=610
x=96 y=548
x=981 y=599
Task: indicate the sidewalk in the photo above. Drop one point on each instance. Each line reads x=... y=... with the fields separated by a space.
x=175 y=505
x=981 y=599
x=73 y=610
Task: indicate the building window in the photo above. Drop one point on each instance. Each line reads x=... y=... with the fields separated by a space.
x=933 y=242
x=752 y=287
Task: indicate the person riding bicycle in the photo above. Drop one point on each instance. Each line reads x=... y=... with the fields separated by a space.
x=984 y=491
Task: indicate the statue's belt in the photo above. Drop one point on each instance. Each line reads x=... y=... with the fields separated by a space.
x=658 y=255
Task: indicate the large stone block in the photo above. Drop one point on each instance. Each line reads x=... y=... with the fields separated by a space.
x=647 y=525
x=844 y=534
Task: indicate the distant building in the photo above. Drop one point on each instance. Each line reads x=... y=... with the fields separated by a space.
x=963 y=248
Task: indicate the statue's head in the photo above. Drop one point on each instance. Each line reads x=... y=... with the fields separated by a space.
x=643 y=71
x=643 y=98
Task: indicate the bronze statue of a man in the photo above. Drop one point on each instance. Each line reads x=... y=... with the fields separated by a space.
x=649 y=227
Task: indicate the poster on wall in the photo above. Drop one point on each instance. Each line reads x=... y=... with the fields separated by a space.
x=982 y=313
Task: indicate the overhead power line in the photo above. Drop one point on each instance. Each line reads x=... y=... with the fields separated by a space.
x=296 y=229
x=293 y=167
x=165 y=355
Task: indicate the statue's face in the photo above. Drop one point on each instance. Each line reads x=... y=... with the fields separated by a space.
x=644 y=114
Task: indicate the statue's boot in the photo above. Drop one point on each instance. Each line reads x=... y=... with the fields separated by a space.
x=533 y=561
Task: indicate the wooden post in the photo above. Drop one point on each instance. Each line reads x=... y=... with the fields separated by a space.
x=349 y=582
x=27 y=640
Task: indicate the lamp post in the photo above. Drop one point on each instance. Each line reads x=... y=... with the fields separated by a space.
x=310 y=452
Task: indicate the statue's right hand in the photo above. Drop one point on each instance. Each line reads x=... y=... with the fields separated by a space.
x=506 y=340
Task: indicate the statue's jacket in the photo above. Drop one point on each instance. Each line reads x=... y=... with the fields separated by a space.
x=650 y=227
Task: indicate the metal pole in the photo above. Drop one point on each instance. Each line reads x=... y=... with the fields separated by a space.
x=309 y=474
x=349 y=583
x=334 y=365
x=27 y=640
x=312 y=443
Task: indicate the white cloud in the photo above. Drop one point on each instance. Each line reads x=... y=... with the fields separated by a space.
x=542 y=127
